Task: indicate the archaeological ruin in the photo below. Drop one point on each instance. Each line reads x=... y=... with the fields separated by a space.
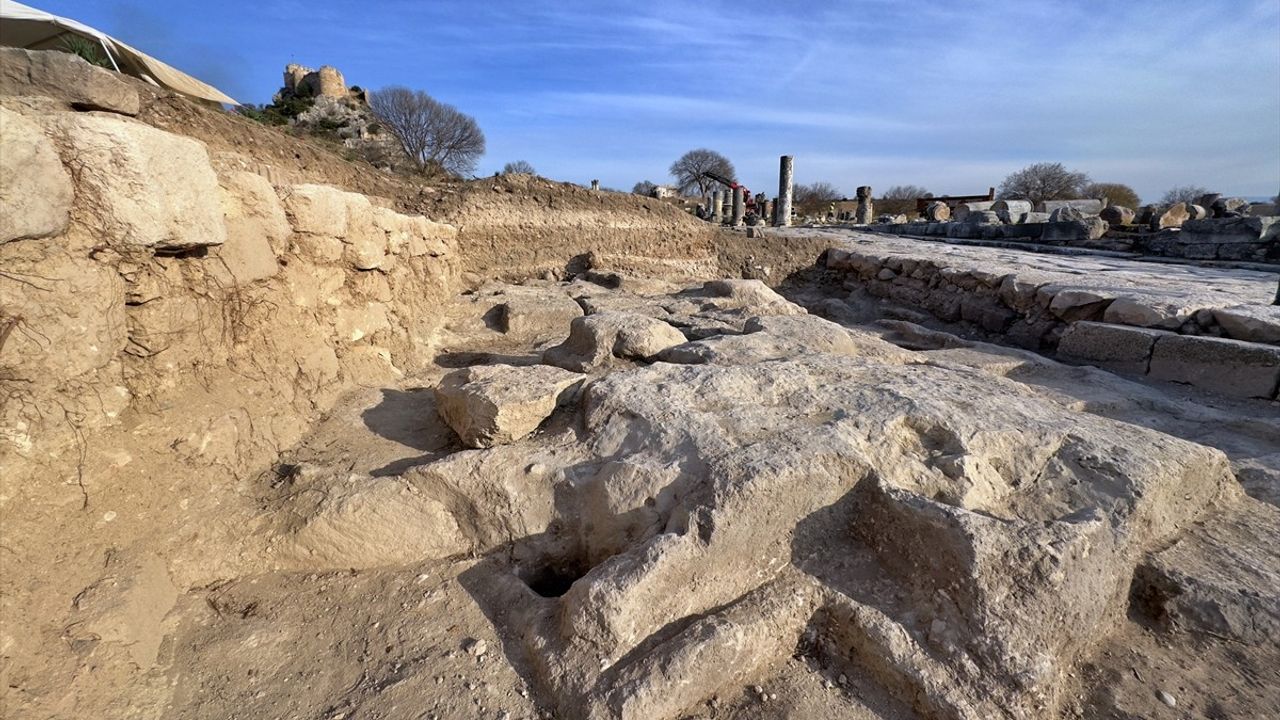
x=288 y=434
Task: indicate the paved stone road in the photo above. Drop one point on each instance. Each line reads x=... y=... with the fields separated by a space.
x=1180 y=288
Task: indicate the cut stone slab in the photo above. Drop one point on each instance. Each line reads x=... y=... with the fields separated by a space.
x=595 y=339
x=490 y=405
x=65 y=77
x=256 y=223
x=1142 y=312
x=113 y=157
x=1255 y=323
x=1230 y=367
x=1111 y=347
x=537 y=316
x=1221 y=578
x=35 y=189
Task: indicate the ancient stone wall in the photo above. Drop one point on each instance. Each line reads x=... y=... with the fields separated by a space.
x=1243 y=239
x=133 y=269
x=1223 y=347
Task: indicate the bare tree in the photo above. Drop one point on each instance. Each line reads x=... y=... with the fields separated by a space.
x=901 y=199
x=814 y=197
x=1183 y=193
x=688 y=171
x=1044 y=181
x=644 y=187
x=519 y=166
x=1115 y=193
x=432 y=133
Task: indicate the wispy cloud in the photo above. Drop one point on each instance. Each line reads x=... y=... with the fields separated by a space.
x=948 y=95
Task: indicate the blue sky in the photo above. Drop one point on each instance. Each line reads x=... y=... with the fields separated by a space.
x=951 y=96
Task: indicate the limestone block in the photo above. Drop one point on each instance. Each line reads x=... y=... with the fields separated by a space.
x=963 y=209
x=1142 y=312
x=1010 y=211
x=595 y=339
x=1112 y=347
x=1230 y=367
x=1255 y=323
x=1117 y=215
x=1071 y=305
x=256 y=224
x=545 y=315
x=317 y=210
x=1085 y=206
x=65 y=77
x=35 y=189
x=139 y=186
x=490 y=405
x=937 y=212
x=1220 y=579
x=1173 y=217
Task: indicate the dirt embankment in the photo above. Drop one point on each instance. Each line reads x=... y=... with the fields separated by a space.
x=182 y=294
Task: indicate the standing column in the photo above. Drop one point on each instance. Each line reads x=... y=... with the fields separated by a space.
x=595 y=184
x=866 y=210
x=717 y=206
x=739 y=207
x=785 y=177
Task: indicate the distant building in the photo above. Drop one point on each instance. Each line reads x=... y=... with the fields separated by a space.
x=663 y=192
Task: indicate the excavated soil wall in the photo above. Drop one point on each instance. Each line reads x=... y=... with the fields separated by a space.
x=183 y=293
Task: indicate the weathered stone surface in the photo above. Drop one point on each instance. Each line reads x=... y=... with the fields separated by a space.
x=963 y=209
x=1255 y=323
x=753 y=294
x=1071 y=305
x=1112 y=347
x=139 y=186
x=1229 y=207
x=317 y=210
x=1146 y=312
x=355 y=521
x=937 y=212
x=778 y=337
x=66 y=77
x=256 y=225
x=1173 y=217
x=35 y=189
x=1197 y=212
x=1088 y=206
x=1230 y=367
x=537 y=316
x=1221 y=579
x=916 y=490
x=491 y=405
x=1065 y=213
x=595 y=339
x=1073 y=232
x=1011 y=211
x=1117 y=215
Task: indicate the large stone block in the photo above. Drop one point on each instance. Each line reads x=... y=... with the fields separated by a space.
x=317 y=210
x=35 y=190
x=139 y=186
x=65 y=77
x=491 y=405
x=1255 y=323
x=1230 y=367
x=1112 y=347
x=256 y=224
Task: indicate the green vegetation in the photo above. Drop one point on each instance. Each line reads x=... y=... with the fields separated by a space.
x=87 y=49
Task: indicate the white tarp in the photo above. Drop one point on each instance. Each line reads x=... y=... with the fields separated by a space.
x=26 y=27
